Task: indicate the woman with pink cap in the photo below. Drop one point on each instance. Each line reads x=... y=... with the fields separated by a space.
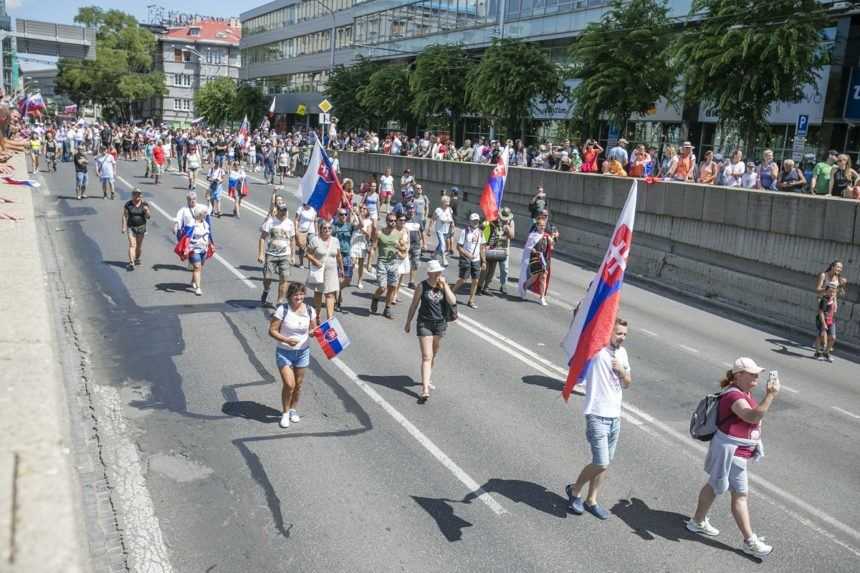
x=736 y=442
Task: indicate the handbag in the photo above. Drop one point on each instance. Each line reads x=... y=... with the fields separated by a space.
x=316 y=275
x=449 y=311
x=496 y=255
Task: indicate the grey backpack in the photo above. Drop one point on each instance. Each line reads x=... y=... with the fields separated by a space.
x=705 y=421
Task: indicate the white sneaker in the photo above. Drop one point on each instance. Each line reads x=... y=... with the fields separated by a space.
x=756 y=546
x=360 y=285
x=703 y=528
x=542 y=301
x=294 y=416
x=198 y=291
x=285 y=420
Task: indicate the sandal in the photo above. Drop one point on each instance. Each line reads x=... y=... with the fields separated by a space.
x=423 y=398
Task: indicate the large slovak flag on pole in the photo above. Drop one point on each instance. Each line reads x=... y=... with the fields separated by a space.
x=320 y=185
x=593 y=323
x=494 y=188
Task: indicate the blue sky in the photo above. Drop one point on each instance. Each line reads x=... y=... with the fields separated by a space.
x=64 y=12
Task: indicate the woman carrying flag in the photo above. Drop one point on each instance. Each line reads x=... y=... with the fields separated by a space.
x=237 y=187
x=196 y=245
x=291 y=325
x=535 y=267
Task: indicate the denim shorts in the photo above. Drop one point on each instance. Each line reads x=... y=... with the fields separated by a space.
x=81 y=178
x=602 y=434
x=293 y=358
x=195 y=257
x=347 y=267
x=386 y=273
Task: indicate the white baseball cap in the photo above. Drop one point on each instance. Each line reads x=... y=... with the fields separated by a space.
x=744 y=364
x=474 y=217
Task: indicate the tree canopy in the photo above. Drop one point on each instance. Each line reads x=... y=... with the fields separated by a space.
x=624 y=62
x=387 y=94
x=216 y=101
x=250 y=101
x=510 y=76
x=746 y=55
x=123 y=71
x=343 y=88
x=438 y=83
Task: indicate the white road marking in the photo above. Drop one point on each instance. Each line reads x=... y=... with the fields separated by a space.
x=789 y=389
x=516 y=351
x=434 y=450
x=846 y=412
x=648 y=332
x=689 y=349
x=217 y=257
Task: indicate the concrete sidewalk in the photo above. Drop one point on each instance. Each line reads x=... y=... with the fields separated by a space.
x=41 y=523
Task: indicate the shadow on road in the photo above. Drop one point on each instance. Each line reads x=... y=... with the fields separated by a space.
x=441 y=511
x=649 y=524
x=173 y=287
x=544 y=382
x=251 y=411
x=164 y=267
x=532 y=494
x=788 y=347
x=399 y=383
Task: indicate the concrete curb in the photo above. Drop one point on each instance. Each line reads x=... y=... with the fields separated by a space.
x=42 y=502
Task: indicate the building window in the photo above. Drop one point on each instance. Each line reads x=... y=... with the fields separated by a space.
x=177 y=55
x=177 y=104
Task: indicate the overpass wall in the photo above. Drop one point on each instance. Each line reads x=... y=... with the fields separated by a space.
x=758 y=252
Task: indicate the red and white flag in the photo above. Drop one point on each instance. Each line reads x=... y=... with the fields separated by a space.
x=592 y=326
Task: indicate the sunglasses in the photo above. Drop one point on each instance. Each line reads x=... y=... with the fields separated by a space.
x=325 y=228
x=391 y=220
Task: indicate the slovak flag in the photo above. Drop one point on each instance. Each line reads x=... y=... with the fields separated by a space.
x=244 y=129
x=593 y=323
x=320 y=185
x=26 y=182
x=183 y=243
x=494 y=188
x=332 y=338
x=31 y=104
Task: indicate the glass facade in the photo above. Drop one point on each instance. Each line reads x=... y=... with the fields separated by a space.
x=293 y=14
x=517 y=9
x=422 y=18
x=299 y=46
x=300 y=82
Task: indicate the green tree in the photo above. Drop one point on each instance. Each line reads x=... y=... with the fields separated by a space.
x=438 y=84
x=250 y=101
x=216 y=101
x=342 y=90
x=624 y=63
x=512 y=74
x=122 y=73
x=387 y=94
x=746 y=55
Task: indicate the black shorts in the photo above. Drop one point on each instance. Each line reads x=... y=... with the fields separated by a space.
x=138 y=230
x=471 y=268
x=431 y=328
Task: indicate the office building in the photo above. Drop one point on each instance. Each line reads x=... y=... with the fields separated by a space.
x=286 y=51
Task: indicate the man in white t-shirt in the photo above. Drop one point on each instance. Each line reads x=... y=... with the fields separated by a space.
x=472 y=248
x=443 y=218
x=106 y=170
x=606 y=376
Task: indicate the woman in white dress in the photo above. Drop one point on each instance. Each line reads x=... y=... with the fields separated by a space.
x=326 y=264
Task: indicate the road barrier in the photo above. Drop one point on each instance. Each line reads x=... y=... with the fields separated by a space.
x=757 y=252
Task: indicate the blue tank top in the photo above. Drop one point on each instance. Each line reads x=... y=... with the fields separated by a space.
x=766 y=178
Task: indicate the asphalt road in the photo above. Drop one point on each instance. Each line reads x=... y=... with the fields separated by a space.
x=471 y=481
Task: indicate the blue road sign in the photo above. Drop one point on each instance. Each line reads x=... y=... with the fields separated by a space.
x=802 y=126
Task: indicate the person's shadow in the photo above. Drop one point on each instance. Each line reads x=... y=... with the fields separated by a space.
x=650 y=524
x=532 y=494
x=449 y=523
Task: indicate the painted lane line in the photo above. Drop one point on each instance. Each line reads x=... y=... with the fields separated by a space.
x=648 y=332
x=687 y=442
x=217 y=257
x=789 y=389
x=422 y=439
x=689 y=349
x=846 y=412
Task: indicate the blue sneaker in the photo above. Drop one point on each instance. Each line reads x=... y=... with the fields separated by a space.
x=574 y=503
x=596 y=511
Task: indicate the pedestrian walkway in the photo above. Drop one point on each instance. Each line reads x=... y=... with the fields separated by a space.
x=41 y=528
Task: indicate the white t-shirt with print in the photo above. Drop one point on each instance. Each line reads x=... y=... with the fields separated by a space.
x=444 y=217
x=471 y=241
x=603 y=387
x=294 y=325
x=278 y=232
